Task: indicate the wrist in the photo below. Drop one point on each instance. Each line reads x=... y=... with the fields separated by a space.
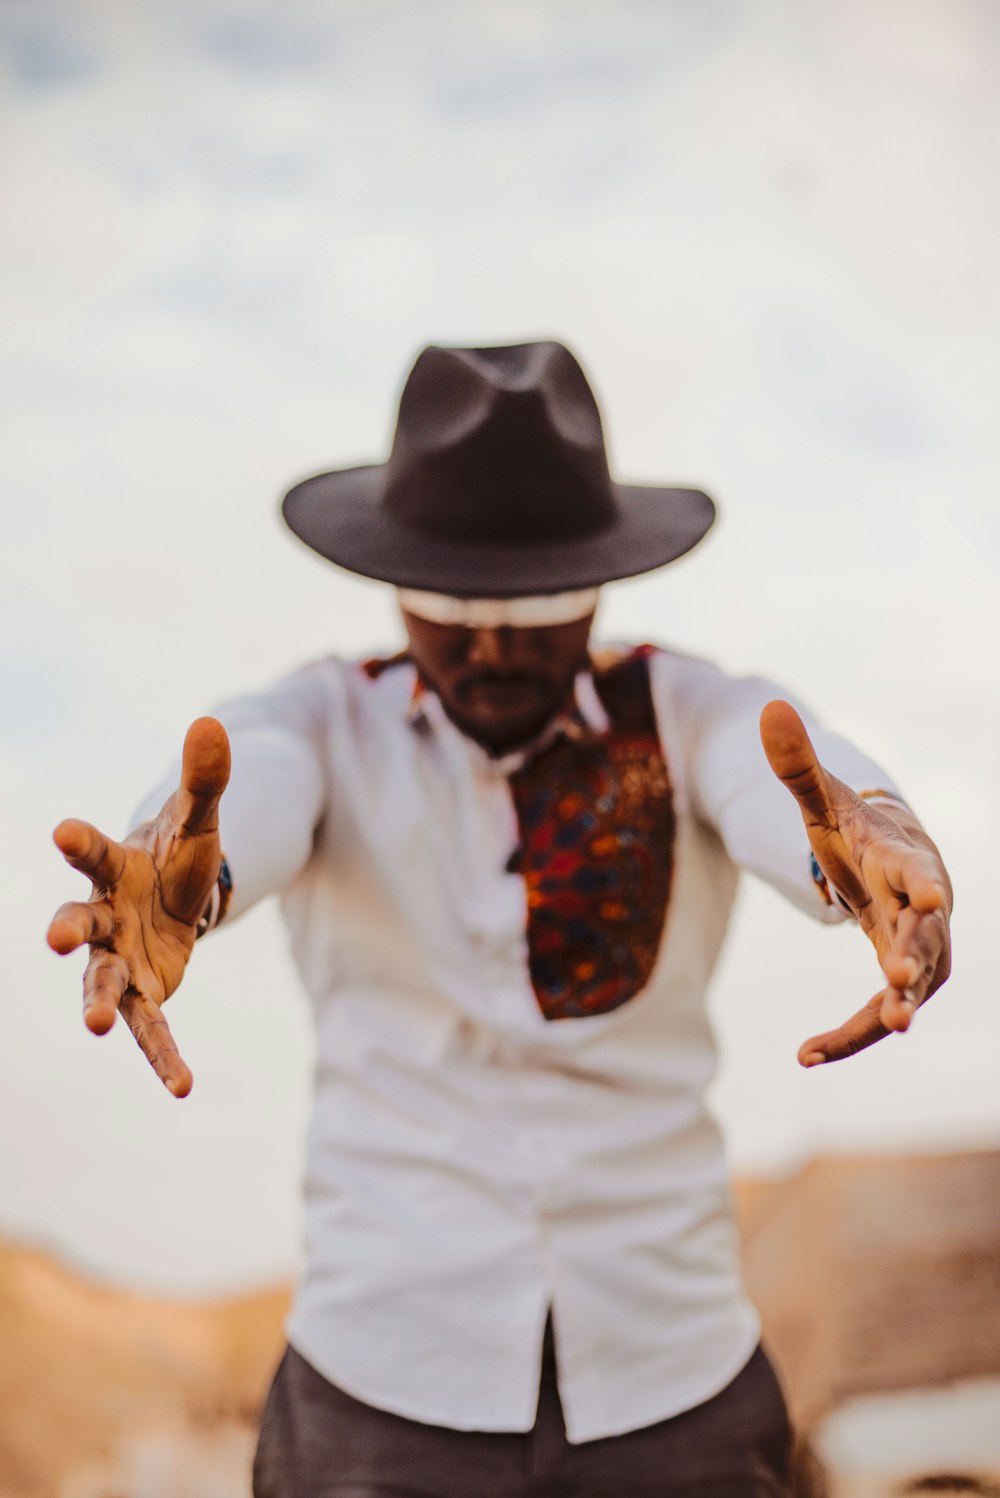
x=218 y=902
x=831 y=894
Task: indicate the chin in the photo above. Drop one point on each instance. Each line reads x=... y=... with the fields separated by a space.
x=507 y=733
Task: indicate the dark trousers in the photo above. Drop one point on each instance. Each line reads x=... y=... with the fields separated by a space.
x=318 y=1442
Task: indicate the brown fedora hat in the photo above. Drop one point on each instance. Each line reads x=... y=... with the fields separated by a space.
x=497 y=486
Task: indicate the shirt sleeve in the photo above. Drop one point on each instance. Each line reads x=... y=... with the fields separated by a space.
x=733 y=789
x=277 y=793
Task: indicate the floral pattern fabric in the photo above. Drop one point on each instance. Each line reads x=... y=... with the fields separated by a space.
x=596 y=821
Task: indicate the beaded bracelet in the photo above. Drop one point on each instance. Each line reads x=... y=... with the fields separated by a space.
x=884 y=798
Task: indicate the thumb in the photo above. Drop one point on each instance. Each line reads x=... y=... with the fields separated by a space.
x=204 y=775
x=793 y=759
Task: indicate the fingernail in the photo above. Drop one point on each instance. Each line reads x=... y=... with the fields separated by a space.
x=813 y=1058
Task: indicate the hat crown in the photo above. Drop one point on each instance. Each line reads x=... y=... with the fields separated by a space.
x=498 y=444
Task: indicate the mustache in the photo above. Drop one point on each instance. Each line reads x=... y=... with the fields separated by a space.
x=515 y=678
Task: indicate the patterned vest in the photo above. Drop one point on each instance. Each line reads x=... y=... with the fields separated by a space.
x=596 y=822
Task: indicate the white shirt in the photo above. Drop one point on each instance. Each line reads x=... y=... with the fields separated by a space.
x=471 y=1163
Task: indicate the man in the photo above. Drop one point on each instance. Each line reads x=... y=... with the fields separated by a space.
x=507 y=865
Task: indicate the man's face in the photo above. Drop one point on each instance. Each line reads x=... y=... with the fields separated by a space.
x=500 y=686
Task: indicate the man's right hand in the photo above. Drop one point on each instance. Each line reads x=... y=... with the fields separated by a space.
x=149 y=893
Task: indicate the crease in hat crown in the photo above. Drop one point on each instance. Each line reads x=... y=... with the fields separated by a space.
x=482 y=377
x=497 y=484
x=480 y=455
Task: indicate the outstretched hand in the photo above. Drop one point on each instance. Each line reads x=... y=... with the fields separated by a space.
x=888 y=872
x=149 y=893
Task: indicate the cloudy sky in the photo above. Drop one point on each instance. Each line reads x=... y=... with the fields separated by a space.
x=768 y=229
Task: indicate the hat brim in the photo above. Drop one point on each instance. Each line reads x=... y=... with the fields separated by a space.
x=341 y=516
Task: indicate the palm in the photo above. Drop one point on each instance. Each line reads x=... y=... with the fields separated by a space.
x=148 y=895
x=888 y=872
x=165 y=886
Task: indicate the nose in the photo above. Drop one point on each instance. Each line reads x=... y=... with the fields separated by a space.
x=490 y=649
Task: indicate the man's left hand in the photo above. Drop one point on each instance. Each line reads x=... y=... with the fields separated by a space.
x=890 y=874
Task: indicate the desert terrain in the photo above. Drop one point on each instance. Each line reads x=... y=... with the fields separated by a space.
x=878 y=1280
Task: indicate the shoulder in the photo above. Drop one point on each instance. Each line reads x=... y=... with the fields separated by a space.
x=668 y=671
x=689 y=691
x=696 y=679
x=337 y=676
x=319 y=693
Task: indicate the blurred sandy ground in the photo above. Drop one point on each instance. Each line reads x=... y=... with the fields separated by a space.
x=878 y=1281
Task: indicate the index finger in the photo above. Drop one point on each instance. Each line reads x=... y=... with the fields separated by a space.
x=791 y=755
x=204 y=775
x=87 y=849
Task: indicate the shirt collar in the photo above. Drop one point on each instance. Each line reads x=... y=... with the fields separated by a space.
x=583 y=718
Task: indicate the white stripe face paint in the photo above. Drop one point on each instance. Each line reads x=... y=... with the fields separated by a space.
x=499 y=613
